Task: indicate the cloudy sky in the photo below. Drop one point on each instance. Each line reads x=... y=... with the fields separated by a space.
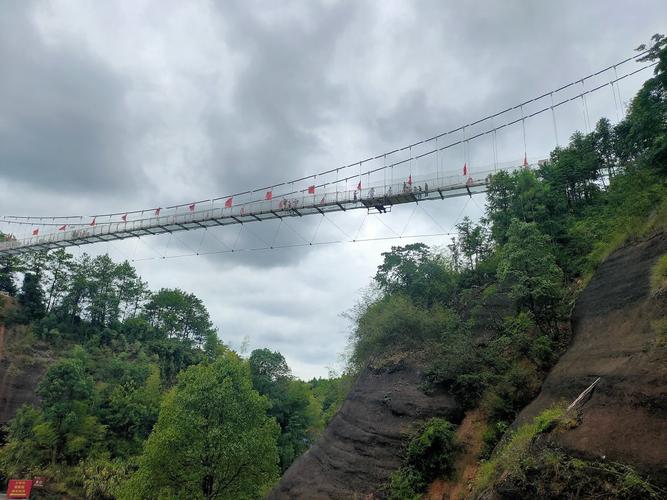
x=114 y=106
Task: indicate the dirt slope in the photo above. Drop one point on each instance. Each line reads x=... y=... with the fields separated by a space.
x=626 y=417
x=359 y=448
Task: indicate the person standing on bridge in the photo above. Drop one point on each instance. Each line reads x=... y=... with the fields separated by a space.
x=468 y=185
x=426 y=188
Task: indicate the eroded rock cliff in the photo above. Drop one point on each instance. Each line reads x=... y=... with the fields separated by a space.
x=361 y=446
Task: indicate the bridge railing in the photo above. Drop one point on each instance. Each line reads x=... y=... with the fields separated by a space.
x=211 y=213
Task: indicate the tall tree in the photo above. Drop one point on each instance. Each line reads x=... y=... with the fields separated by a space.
x=179 y=315
x=528 y=266
x=31 y=297
x=268 y=370
x=212 y=439
x=473 y=242
x=7 y=283
x=292 y=403
x=425 y=276
x=58 y=269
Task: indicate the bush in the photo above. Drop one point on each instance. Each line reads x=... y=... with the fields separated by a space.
x=394 y=323
x=510 y=457
x=429 y=455
x=432 y=452
x=406 y=484
x=660 y=329
x=659 y=276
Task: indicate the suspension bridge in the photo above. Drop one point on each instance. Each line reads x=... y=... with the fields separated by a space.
x=418 y=172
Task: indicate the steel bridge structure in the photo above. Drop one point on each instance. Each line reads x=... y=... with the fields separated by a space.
x=411 y=174
x=374 y=198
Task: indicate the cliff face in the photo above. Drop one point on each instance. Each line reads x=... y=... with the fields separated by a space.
x=21 y=368
x=615 y=338
x=361 y=446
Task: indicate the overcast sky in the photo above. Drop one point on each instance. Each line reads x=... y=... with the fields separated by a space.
x=114 y=106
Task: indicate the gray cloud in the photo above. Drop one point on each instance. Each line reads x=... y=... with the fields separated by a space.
x=62 y=112
x=156 y=103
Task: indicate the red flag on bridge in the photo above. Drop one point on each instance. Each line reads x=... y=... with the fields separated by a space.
x=465 y=168
x=124 y=217
x=63 y=227
x=268 y=195
x=311 y=189
x=410 y=180
x=525 y=160
x=94 y=221
x=157 y=212
x=359 y=186
x=35 y=232
x=191 y=207
x=228 y=202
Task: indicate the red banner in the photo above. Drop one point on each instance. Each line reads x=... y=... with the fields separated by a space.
x=19 y=488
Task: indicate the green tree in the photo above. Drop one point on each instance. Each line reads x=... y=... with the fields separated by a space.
x=423 y=275
x=74 y=301
x=58 y=269
x=7 y=270
x=133 y=410
x=66 y=391
x=528 y=266
x=213 y=438
x=104 y=299
x=269 y=371
x=292 y=403
x=25 y=450
x=473 y=243
x=179 y=315
x=31 y=297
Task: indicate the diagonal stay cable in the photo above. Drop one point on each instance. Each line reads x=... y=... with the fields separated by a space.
x=319 y=224
x=421 y=205
x=356 y=236
x=409 y=220
x=294 y=231
x=337 y=226
x=385 y=225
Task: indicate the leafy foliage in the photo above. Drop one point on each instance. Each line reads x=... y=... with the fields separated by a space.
x=429 y=454
x=417 y=272
x=293 y=405
x=212 y=439
x=119 y=349
x=528 y=266
x=659 y=276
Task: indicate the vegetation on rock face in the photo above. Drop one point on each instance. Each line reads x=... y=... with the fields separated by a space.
x=429 y=455
x=527 y=465
x=491 y=314
x=659 y=276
